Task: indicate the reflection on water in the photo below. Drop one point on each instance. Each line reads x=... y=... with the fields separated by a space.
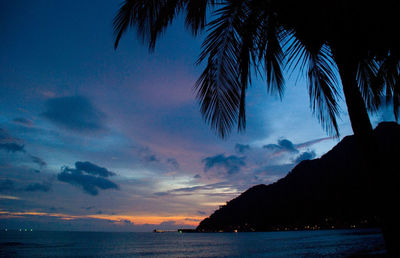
x=326 y=243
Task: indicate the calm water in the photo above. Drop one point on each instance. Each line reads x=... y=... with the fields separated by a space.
x=329 y=243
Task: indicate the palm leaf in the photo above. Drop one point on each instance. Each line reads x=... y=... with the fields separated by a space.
x=150 y=17
x=247 y=30
x=322 y=83
x=123 y=20
x=270 y=36
x=322 y=80
x=389 y=75
x=367 y=79
x=218 y=88
x=196 y=12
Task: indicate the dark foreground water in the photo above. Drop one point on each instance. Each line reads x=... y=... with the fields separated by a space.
x=324 y=243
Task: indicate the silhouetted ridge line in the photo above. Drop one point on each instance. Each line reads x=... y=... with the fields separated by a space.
x=328 y=192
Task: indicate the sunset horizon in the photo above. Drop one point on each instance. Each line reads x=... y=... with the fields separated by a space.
x=93 y=138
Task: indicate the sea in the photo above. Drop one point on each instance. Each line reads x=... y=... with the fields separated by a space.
x=320 y=243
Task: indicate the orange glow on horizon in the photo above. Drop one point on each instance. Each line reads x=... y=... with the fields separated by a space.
x=151 y=219
x=137 y=220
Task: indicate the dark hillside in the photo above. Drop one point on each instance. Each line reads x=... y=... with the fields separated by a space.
x=331 y=191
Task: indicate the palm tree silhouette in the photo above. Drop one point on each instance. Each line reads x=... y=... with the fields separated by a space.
x=352 y=42
x=349 y=39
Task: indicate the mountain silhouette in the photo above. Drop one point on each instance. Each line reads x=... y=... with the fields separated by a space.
x=333 y=191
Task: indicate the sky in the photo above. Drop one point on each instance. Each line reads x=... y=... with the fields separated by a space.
x=97 y=139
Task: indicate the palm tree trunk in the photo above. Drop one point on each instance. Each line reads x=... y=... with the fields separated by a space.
x=376 y=173
x=356 y=107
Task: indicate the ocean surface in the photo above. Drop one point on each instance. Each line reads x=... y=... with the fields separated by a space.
x=323 y=243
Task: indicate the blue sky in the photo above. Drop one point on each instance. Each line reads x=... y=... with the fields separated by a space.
x=97 y=139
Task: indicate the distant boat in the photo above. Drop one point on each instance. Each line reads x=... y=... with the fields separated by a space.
x=162 y=231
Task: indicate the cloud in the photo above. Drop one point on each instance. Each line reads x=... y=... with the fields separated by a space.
x=285 y=155
x=283 y=145
x=146 y=155
x=201 y=213
x=9 y=197
x=128 y=222
x=232 y=164
x=150 y=158
x=161 y=193
x=92 y=169
x=197 y=176
x=241 y=148
x=74 y=113
x=286 y=146
x=88 y=176
x=5 y=137
x=279 y=170
x=312 y=142
x=38 y=161
x=11 y=144
x=7 y=185
x=305 y=156
x=154 y=160
x=219 y=188
x=41 y=187
x=12 y=147
x=23 y=121
x=173 y=162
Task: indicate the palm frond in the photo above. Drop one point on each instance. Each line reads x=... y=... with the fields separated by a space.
x=295 y=52
x=368 y=82
x=322 y=83
x=166 y=14
x=218 y=88
x=123 y=20
x=269 y=40
x=150 y=18
x=396 y=99
x=247 y=30
x=268 y=34
x=196 y=12
x=389 y=75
